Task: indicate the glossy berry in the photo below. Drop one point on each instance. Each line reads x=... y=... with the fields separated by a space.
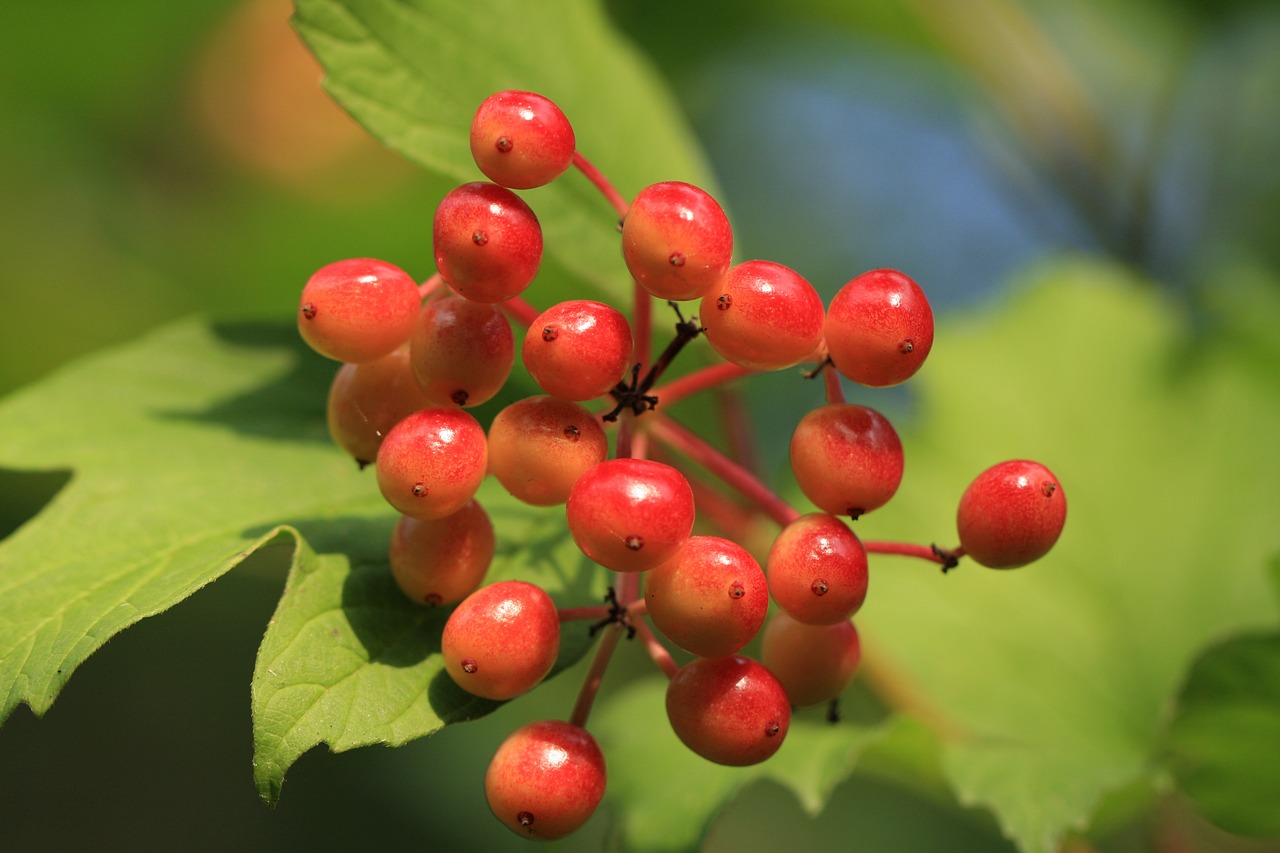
x=521 y=139
x=461 y=351
x=763 y=316
x=443 y=560
x=366 y=400
x=676 y=240
x=432 y=462
x=847 y=458
x=729 y=710
x=629 y=515
x=817 y=570
x=540 y=446
x=815 y=663
x=579 y=349
x=358 y=309
x=545 y=780
x=502 y=640
x=879 y=328
x=1011 y=514
x=710 y=598
x=488 y=243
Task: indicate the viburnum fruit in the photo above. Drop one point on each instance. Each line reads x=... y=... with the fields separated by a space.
x=357 y=309
x=710 y=598
x=763 y=316
x=629 y=515
x=846 y=458
x=443 y=560
x=432 y=462
x=488 y=243
x=521 y=139
x=367 y=399
x=461 y=351
x=730 y=710
x=501 y=640
x=879 y=328
x=546 y=779
x=1011 y=514
x=817 y=570
x=814 y=663
x=676 y=240
x=579 y=349
x=540 y=446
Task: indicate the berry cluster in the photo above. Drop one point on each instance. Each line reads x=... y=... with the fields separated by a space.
x=417 y=357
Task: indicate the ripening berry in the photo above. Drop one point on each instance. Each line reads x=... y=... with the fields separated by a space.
x=847 y=458
x=540 y=446
x=488 y=243
x=578 y=350
x=1011 y=514
x=629 y=515
x=432 y=462
x=443 y=560
x=729 y=710
x=815 y=663
x=763 y=316
x=879 y=328
x=461 y=351
x=358 y=309
x=546 y=779
x=521 y=139
x=366 y=400
x=817 y=570
x=676 y=240
x=502 y=640
x=710 y=598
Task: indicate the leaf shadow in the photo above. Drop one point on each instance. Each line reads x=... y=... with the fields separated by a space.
x=26 y=494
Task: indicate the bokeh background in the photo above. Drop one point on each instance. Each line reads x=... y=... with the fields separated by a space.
x=160 y=159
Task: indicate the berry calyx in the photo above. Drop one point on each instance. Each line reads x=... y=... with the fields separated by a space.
x=442 y=561
x=814 y=663
x=676 y=240
x=540 y=446
x=817 y=570
x=461 y=351
x=546 y=779
x=846 y=458
x=487 y=241
x=879 y=328
x=1011 y=514
x=629 y=515
x=578 y=350
x=763 y=316
x=521 y=139
x=729 y=710
x=502 y=640
x=358 y=309
x=432 y=462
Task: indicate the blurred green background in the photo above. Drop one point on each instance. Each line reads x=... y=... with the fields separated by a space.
x=159 y=159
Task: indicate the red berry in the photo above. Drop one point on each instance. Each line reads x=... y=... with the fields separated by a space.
x=444 y=560
x=1011 y=514
x=579 y=349
x=546 y=779
x=729 y=710
x=540 y=446
x=432 y=462
x=629 y=515
x=817 y=570
x=521 y=139
x=357 y=310
x=815 y=663
x=366 y=400
x=502 y=640
x=461 y=351
x=488 y=243
x=847 y=458
x=710 y=598
x=879 y=328
x=763 y=316
x=676 y=240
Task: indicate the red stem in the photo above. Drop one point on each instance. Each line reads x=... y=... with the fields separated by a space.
x=519 y=310
x=656 y=650
x=430 y=286
x=907 y=549
x=831 y=379
x=595 y=675
x=699 y=380
x=601 y=183
x=572 y=614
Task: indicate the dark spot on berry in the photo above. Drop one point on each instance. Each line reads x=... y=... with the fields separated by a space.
x=634 y=542
x=819 y=587
x=676 y=259
x=419 y=490
x=432 y=598
x=772 y=728
x=469 y=665
x=1048 y=487
x=736 y=590
x=503 y=144
x=479 y=238
x=854 y=511
x=572 y=433
x=724 y=302
x=460 y=397
x=907 y=346
x=525 y=818
x=549 y=333
x=309 y=310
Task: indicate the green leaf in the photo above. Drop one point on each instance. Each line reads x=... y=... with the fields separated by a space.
x=1222 y=739
x=349 y=661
